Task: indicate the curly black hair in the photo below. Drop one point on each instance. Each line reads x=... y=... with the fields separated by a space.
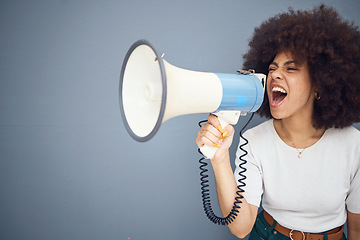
x=331 y=47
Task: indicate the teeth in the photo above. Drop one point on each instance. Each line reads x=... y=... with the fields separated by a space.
x=278 y=89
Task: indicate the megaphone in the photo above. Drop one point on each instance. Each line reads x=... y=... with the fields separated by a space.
x=152 y=91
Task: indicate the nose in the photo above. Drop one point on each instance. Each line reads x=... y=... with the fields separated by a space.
x=276 y=74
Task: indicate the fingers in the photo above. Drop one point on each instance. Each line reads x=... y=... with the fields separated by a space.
x=215 y=122
x=211 y=133
x=208 y=135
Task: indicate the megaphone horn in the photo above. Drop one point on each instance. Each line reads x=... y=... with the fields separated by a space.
x=152 y=91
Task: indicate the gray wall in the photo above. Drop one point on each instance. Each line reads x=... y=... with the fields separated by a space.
x=68 y=169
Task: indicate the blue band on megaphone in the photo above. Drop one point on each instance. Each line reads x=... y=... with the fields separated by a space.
x=241 y=92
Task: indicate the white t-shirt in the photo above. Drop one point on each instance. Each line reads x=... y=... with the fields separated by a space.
x=311 y=193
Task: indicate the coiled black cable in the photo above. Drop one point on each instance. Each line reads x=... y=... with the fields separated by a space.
x=205 y=192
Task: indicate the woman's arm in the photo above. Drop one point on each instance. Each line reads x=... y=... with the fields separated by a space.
x=226 y=185
x=226 y=190
x=353 y=226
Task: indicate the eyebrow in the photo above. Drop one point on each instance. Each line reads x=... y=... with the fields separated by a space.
x=285 y=64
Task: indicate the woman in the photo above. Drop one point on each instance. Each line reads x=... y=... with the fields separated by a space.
x=303 y=163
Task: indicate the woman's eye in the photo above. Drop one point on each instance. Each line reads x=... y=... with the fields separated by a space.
x=292 y=69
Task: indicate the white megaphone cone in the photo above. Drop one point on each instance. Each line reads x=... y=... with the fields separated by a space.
x=153 y=91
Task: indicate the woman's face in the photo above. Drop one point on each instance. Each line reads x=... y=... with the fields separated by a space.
x=289 y=88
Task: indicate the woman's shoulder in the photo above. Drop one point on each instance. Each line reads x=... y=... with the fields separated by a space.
x=346 y=133
x=268 y=125
x=261 y=131
x=347 y=138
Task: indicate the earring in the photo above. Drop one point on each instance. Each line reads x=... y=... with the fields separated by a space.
x=317 y=96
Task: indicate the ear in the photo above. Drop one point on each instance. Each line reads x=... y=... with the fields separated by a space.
x=316 y=93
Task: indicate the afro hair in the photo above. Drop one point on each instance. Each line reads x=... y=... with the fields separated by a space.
x=331 y=47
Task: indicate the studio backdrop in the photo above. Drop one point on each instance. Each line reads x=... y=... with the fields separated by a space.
x=68 y=167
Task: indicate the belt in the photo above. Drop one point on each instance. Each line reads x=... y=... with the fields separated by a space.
x=334 y=234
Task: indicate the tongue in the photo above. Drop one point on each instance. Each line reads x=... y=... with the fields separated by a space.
x=278 y=97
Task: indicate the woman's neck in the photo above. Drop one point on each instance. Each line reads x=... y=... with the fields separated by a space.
x=297 y=133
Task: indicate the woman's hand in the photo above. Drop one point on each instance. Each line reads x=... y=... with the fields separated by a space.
x=212 y=134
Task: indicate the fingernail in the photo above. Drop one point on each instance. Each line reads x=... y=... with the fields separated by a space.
x=220 y=129
x=225 y=133
x=215 y=145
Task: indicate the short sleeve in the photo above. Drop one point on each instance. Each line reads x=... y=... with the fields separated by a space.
x=254 y=187
x=353 y=198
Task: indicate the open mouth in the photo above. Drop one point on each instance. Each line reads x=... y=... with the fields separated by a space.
x=278 y=95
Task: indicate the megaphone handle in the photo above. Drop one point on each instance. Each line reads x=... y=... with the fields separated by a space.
x=225 y=118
